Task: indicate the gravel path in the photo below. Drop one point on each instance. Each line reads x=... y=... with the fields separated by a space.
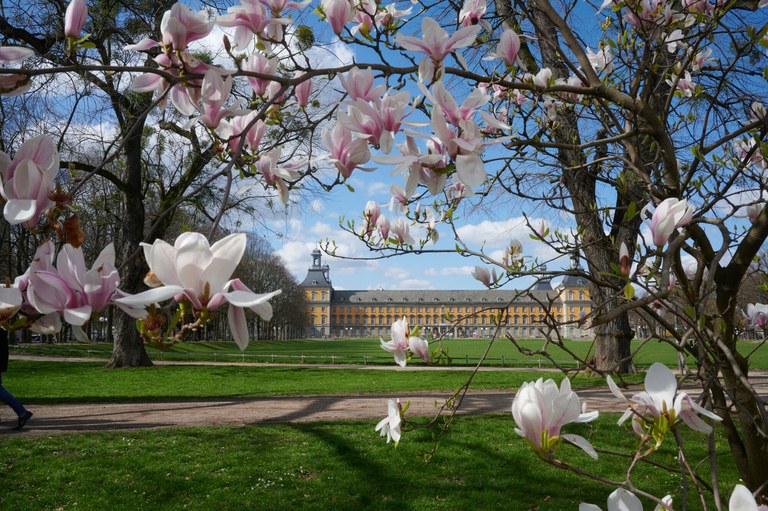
x=84 y=417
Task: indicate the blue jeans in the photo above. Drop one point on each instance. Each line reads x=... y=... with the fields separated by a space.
x=7 y=398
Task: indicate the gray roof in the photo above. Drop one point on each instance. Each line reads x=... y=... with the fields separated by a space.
x=315 y=278
x=574 y=281
x=438 y=297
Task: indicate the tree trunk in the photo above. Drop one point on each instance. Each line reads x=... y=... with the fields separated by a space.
x=128 y=348
x=745 y=428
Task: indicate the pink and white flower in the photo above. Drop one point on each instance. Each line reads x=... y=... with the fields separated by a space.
x=27 y=180
x=669 y=215
x=338 y=13
x=250 y=19
x=74 y=18
x=402 y=341
x=541 y=409
x=390 y=425
x=625 y=500
x=359 y=84
x=743 y=500
x=400 y=231
x=344 y=151
x=482 y=274
x=213 y=95
x=193 y=270
x=508 y=47
x=10 y=55
x=11 y=301
x=757 y=315
x=661 y=399
x=181 y=25
x=435 y=42
x=371 y=214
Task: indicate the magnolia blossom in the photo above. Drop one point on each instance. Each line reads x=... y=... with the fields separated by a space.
x=601 y=60
x=344 y=151
x=743 y=500
x=624 y=500
x=27 y=180
x=757 y=315
x=249 y=18
x=74 y=18
x=660 y=398
x=540 y=410
x=670 y=214
x=401 y=342
x=377 y=122
x=683 y=83
x=11 y=301
x=233 y=131
x=436 y=44
x=472 y=14
x=338 y=13
x=215 y=92
x=625 y=263
x=400 y=231
x=181 y=25
x=390 y=425
x=540 y=79
x=482 y=274
x=193 y=270
x=371 y=215
x=72 y=290
x=383 y=226
x=258 y=63
x=10 y=55
x=508 y=47
x=359 y=84
x=303 y=90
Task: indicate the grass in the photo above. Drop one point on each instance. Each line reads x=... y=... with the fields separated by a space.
x=338 y=465
x=45 y=382
x=360 y=351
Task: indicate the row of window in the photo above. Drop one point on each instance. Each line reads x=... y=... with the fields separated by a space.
x=323 y=296
x=426 y=320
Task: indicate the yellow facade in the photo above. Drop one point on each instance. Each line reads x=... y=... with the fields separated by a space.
x=461 y=313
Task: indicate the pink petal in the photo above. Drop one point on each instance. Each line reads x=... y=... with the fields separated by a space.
x=238 y=326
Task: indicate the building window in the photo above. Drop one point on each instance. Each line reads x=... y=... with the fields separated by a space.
x=314 y=296
x=323 y=295
x=581 y=295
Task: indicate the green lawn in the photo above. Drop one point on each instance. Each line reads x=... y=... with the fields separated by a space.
x=368 y=351
x=90 y=382
x=339 y=465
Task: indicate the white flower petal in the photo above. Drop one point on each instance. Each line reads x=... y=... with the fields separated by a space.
x=623 y=500
x=581 y=443
x=156 y=295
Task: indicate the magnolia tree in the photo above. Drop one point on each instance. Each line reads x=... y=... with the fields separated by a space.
x=641 y=122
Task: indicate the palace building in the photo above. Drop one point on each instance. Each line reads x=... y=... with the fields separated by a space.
x=461 y=313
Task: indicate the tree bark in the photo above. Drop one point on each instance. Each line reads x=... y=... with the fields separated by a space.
x=128 y=348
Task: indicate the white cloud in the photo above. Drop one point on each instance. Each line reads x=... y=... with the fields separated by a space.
x=449 y=271
x=379 y=188
x=317 y=206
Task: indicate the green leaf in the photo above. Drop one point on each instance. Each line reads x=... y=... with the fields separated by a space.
x=629 y=292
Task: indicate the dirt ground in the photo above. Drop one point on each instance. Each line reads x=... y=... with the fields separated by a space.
x=84 y=417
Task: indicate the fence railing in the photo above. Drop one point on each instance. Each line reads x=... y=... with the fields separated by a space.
x=290 y=358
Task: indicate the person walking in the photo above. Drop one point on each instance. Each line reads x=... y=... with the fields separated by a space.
x=6 y=397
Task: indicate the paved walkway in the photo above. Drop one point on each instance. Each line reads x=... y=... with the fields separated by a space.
x=83 y=417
